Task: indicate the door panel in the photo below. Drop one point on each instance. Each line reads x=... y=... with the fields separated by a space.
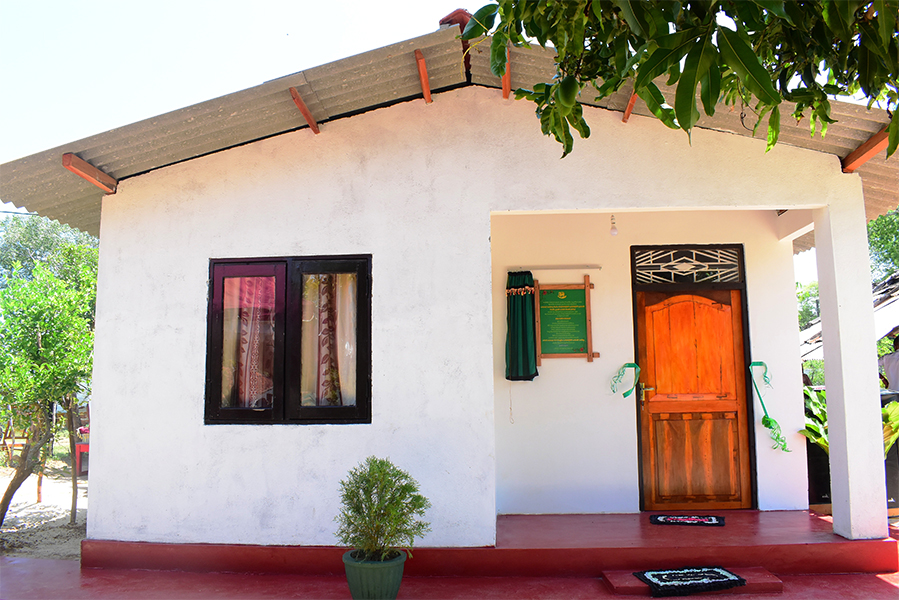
x=694 y=441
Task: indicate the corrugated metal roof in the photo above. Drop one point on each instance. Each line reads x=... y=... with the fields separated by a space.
x=349 y=86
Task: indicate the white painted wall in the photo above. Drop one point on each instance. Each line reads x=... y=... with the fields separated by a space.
x=415 y=186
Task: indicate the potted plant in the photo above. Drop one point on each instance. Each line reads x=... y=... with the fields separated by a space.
x=380 y=506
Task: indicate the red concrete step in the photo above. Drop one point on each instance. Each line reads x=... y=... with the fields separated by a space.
x=759 y=581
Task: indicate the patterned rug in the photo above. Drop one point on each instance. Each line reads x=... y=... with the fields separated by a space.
x=706 y=520
x=682 y=582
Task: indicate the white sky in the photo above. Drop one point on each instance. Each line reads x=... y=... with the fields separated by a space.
x=69 y=70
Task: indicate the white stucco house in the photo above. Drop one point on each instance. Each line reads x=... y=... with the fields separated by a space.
x=423 y=208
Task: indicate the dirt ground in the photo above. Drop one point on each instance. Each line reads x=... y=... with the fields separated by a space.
x=41 y=529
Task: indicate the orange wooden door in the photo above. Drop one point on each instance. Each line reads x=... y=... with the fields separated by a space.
x=694 y=436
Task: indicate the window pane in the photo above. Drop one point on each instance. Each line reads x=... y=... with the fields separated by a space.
x=248 y=342
x=328 y=340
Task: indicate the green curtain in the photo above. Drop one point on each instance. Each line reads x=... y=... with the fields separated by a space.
x=521 y=347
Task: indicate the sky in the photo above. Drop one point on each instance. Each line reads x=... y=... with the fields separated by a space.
x=69 y=70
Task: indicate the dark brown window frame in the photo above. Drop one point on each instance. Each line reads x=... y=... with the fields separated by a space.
x=286 y=407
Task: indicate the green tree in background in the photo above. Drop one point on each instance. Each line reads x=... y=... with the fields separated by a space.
x=752 y=53
x=27 y=240
x=883 y=238
x=808 y=304
x=46 y=334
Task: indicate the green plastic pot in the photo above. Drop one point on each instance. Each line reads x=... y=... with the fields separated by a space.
x=372 y=579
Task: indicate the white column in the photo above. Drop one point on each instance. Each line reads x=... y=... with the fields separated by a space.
x=856 y=450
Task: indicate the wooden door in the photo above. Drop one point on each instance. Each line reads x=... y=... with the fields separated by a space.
x=694 y=434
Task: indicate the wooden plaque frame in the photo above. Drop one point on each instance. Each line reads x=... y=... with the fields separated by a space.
x=590 y=355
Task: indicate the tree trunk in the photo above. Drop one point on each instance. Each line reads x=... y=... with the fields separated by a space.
x=70 y=425
x=28 y=460
x=19 y=477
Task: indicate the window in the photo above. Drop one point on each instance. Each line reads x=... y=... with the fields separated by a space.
x=289 y=340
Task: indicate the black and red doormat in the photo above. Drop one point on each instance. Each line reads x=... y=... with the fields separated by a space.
x=707 y=520
x=690 y=580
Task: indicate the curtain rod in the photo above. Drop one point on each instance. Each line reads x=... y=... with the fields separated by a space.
x=556 y=268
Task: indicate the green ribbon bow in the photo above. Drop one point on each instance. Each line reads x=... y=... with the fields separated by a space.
x=614 y=384
x=767 y=421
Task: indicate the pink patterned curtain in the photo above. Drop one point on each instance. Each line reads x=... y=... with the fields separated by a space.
x=249 y=342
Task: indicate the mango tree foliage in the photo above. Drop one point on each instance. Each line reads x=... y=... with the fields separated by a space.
x=46 y=343
x=751 y=53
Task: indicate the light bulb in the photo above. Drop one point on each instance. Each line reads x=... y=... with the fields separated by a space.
x=613 y=230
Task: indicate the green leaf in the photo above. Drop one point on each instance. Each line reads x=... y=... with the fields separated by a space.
x=750 y=14
x=576 y=120
x=481 y=22
x=833 y=11
x=498 y=54
x=638 y=55
x=710 y=86
x=762 y=114
x=801 y=95
x=674 y=40
x=568 y=141
x=743 y=61
x=621 y=46
x=674 y=73
x=867 y=70
x=660 y=61
x=890 y=419
x=775 y=7
x=546 y=117
x=632 y=12
x=560 y=129
x=697 y=63
x=774 y=128
x=871 y=39
x=609 y=86
x=886 y=22
x=892 y=134
x=654 y=100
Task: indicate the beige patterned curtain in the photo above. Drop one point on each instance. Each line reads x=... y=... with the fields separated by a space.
x=328 y=341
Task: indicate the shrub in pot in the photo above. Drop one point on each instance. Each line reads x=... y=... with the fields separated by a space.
x=379 y=517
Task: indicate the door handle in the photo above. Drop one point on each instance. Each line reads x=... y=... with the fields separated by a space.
x=643 y=389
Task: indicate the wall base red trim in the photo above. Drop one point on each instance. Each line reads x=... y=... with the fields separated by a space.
x=238 y=558
x=861 y=556
x=784 y=542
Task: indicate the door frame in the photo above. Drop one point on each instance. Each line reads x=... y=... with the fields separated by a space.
x=740 y=284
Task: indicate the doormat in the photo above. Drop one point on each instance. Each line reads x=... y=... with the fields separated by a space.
x=683 y=582
x=707 y=520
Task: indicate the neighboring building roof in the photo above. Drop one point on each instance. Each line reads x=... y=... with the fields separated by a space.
x=885 y=305
x=357 y=84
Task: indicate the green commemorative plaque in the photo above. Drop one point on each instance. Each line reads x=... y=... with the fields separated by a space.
x=563 y=321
